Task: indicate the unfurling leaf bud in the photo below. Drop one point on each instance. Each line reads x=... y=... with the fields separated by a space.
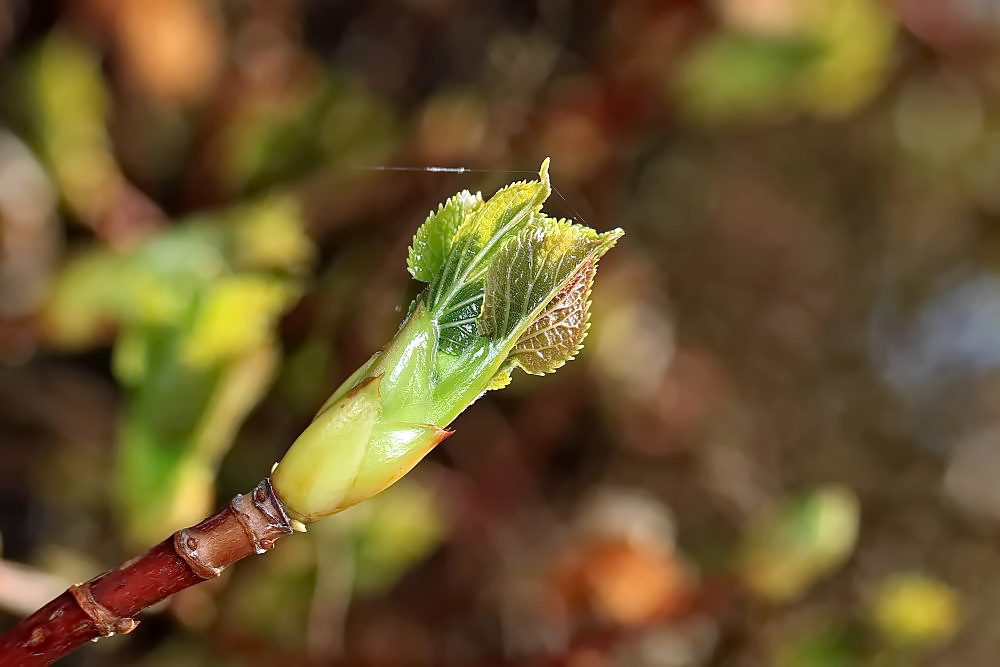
x=507 y=287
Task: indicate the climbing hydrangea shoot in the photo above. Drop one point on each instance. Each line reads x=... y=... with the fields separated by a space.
x=507 y=287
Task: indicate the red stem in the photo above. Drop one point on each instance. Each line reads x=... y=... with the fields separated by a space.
x=104 y=606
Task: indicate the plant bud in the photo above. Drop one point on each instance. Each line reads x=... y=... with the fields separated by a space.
x=507 y=287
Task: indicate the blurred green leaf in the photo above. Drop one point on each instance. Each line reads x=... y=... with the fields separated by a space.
x=829 y=64
x=68 y=100
x=736 y=76
x=788 y=551
x=195 y=309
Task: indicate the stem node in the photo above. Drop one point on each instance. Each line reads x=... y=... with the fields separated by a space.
x=106 y=621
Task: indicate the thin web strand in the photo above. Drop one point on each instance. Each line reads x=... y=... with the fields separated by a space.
x=468 y=170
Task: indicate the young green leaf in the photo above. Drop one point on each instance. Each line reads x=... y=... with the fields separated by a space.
x=482 y=234
x=556 y=335
x=458 y=321
x=434 y=238
x=532 y=268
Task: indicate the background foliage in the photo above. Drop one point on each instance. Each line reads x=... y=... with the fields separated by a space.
x=780 y=446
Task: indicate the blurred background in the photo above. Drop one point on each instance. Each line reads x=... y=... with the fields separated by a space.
x=780 y=446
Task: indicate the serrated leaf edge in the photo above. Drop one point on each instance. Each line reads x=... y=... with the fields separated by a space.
x=466 y=204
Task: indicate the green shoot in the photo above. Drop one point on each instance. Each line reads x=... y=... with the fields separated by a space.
x=507 y=287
